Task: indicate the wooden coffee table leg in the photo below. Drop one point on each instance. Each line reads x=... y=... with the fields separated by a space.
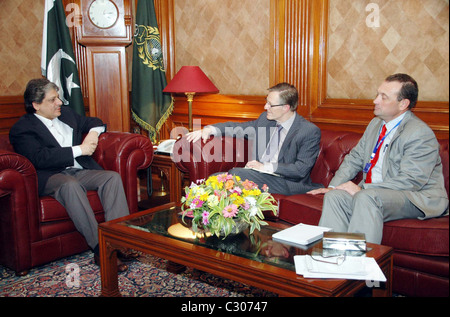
x=175 y=268
x=108 y=268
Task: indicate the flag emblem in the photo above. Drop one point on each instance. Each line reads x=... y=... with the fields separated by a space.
x=148 y=42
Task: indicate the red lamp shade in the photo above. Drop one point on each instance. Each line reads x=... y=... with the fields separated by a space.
x=191 y=79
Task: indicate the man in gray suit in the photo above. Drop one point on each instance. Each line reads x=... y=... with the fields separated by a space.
x=285 y=145
x=51 y=137
x=401 y=165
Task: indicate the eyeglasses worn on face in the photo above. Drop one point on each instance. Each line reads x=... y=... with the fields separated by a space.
x=271 y=106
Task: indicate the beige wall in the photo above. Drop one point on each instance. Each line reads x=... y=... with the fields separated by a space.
x=20 y=44
x=229 y=39
x=412 y=38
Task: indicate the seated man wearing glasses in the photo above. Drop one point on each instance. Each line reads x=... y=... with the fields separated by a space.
x=285 y=144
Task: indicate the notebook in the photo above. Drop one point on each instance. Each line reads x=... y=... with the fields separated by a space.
x=301 y=234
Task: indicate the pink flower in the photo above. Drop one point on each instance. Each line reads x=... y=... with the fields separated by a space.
x=237 y=190
x=205 y=217
x=196 y=203
x=223 y=177
x=265 y=188
x=230 y=211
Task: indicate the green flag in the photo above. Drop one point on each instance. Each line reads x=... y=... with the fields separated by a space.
x=57 y=60
x=150 y=107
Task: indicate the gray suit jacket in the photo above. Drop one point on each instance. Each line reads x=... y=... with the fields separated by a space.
x=297 y=155
x=412 y=164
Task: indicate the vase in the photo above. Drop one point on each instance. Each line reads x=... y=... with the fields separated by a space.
x=239 y=226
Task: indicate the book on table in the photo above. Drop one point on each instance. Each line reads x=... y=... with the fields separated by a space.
x=301 y=234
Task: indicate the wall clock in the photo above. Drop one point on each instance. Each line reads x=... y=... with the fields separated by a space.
x=103 y=13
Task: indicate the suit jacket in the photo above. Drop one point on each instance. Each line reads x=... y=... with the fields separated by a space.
x=411 y=164
x=32 y=139
x=297 y=155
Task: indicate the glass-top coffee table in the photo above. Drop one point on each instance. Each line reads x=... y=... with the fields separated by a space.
x=254 y=259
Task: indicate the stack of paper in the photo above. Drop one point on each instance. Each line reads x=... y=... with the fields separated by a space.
x=300 y=234
x=356 y=268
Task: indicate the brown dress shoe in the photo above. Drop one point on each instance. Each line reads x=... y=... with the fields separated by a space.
x=121 y=267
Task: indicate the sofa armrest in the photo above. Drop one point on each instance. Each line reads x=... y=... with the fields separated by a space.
x=218 y=154
x=125 y=153
x=19 y=223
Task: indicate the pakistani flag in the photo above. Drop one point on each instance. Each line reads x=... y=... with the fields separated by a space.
x=150 y=107
x=57 y=60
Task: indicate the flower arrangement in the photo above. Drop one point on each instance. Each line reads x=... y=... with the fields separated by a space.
x=215 y=205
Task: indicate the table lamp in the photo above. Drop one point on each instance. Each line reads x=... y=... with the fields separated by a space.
x=190 y=80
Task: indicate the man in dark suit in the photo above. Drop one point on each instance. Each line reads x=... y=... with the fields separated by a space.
x=51 y=137
x=285 y=145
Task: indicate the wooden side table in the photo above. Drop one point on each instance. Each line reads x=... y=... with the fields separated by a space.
x=172 y=179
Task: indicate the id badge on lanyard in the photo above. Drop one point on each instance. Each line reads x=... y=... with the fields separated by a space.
x=375 y=150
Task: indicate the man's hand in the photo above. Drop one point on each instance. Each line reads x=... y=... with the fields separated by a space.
x=196 y=135
x=255 y=164
x=319 y=191
x=349 y=187
x=89 y=144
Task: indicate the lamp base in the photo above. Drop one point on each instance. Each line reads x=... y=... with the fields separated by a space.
x=190 y=99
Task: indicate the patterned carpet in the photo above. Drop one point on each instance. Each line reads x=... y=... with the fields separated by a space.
x=146 y=277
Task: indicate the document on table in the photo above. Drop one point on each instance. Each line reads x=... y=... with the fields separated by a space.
x=300 y=234
x=355 y=268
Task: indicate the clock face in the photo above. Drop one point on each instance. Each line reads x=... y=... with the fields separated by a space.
x=103 y=13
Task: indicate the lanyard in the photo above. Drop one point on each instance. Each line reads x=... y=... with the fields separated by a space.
x=375 y=150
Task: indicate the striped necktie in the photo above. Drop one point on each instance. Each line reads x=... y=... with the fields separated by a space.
x=377 y=154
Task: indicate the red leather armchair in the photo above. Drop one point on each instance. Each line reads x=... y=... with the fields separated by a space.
x=421 y=247
x=35 y=230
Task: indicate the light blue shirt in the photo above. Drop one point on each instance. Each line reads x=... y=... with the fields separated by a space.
x=391 y=128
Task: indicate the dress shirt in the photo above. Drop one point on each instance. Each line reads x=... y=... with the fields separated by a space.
x=271 y=167
x=391 y=127
x=63 y=133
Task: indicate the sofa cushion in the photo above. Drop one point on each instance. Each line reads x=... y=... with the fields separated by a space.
x=425 y=237
x=52 y=210
x=302 y=208
x=334 y=146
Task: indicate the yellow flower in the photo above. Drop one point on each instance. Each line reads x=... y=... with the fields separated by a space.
x=252 y=192
x=236 y=199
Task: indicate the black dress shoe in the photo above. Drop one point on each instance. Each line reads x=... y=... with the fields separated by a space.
x=127 y=255
x=121 y=267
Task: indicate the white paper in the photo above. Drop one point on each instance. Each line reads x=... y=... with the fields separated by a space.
x=300 y=234
x=355 y=268
x=262 y=171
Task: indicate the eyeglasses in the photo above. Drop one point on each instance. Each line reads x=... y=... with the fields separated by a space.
x=338 y=260
x=271 y=106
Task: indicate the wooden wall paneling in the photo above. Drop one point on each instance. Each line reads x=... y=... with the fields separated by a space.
x=11 y=109
x=166 y=23
x=290 y=54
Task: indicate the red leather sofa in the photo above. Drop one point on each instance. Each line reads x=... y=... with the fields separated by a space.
x=36 y=230
x=421 y=247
